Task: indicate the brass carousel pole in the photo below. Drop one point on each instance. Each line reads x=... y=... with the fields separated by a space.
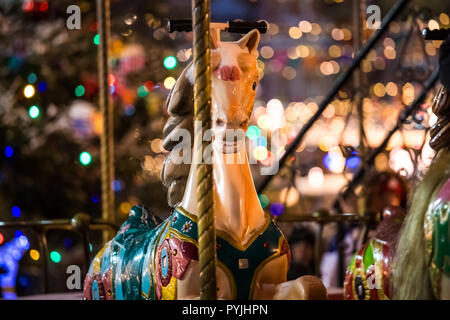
x=107 y=136
x=202 y=113
x=358 y=77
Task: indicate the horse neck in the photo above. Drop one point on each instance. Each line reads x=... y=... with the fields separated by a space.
x=237 y=208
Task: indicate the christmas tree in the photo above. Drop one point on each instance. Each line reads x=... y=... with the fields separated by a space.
x=50 y=122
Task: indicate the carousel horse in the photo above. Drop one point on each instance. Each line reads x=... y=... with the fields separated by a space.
x=409 y=256
x=154 y=259
x=382 y=192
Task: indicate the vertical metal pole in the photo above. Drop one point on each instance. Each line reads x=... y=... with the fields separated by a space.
x=202 y=113
x=358 y=76
x=107 y=136
x=358 y=86
x=341 y=253
x=318 y=250
x=44 y=250
x=87 y=250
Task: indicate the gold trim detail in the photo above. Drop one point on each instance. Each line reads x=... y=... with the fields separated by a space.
x=97 y=263
x=187 y=214
x=263 y=263
x=181 y=236
x=377 y=251
x=169 y=292
x=153 y=254
x=224 y=235
x=244 y=247
x=230 y=277
x=361 y=272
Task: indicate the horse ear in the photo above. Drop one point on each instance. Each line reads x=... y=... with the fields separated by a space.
x=215 y=38
x=250 y=41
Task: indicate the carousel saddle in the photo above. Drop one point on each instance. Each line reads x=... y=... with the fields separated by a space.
x=148 y=256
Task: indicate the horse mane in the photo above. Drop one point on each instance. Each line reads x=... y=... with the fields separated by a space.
x=180 y=107
x=411 y=279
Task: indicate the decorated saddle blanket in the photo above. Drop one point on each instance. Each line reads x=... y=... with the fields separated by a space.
x=148 y=256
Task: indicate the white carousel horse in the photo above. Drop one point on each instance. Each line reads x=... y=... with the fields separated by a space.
x=150 y=259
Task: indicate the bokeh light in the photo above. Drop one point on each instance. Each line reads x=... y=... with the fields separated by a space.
x=79 y=91
x=253 y=132
x=353 y=162
x=305 y=26
x=96 y=39
x=433 y=24
x=260 y=153
x=295 y=32
x=117 y=185
x=42 y=86
x=157 y=145
x=34 y=254
x=170 y=62
x=264 y=121
x=169 y=82
x=29 y=91
x=9 y=151
x=16 y=211
x=276 y=209
x=263 y=200
x=334 y=161
x=55 y=256
x=32 y=78
x=266 y=52
x=142 y=91
x=125 y=207
x=315 y=177
x=444 y=18
x=34 y=112
x=85 y=158
x=289 y=196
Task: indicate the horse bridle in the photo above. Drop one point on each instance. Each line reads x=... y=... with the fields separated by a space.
x=440 y=131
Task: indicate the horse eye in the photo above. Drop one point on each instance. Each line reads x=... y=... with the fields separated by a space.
x=254 y=86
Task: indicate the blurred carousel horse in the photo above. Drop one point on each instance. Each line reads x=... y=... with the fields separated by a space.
x=150 y=259
x=409 y=257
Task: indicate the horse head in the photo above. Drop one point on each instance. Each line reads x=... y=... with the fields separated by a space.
x=234 y=79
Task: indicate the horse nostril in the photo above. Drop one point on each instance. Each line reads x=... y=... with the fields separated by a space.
x=228 y=73
x=234 y=73
x=224 y=73
x=220 y=122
